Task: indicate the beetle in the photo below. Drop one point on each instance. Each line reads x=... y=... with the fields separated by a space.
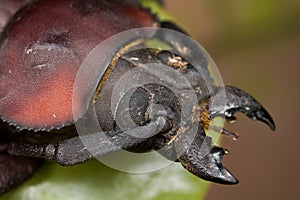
x=40 y=54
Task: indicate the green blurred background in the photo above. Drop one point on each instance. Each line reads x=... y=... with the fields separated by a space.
x=256 y=46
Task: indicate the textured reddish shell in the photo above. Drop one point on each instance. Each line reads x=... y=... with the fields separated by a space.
x=42 y=50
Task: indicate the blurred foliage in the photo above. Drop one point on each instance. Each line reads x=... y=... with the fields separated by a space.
x=256 y=21
x=228 y=25
x=156 y=9
x=93 y=180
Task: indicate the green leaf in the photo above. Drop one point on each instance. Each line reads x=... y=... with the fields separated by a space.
x=156 y=9
x=93 y=180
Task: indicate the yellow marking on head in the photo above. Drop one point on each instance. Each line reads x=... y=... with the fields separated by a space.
x=112 y=65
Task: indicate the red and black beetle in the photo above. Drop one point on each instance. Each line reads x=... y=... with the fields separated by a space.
x=42 y=48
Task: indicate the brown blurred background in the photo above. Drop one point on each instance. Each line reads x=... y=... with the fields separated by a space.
x=256 y=46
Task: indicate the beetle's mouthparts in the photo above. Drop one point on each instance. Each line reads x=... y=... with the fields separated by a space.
x=238 y=100
x=205 y=120
x=202 y=158
x=233 y=135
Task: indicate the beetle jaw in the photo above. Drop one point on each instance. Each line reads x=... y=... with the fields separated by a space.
x=210 y=168
x=240 y=101
x=203 y=159
x=207 y=165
